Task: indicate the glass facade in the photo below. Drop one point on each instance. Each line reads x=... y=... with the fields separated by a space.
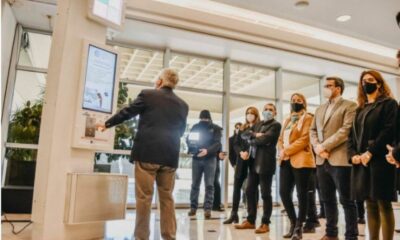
x=201 y=85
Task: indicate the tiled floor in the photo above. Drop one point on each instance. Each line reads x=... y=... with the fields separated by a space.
x=195 y=228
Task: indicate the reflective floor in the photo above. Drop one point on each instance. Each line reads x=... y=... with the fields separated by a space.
x=196 y=228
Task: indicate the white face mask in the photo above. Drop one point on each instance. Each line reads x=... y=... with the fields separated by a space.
x=327 y=93
x=250 y=117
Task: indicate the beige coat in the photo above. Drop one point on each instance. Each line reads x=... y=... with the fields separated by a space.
x=334 y=131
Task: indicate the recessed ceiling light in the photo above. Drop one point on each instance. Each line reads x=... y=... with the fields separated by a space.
x=343 y=18
x=302 y=4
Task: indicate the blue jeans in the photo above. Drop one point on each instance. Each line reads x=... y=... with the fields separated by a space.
x=208 y=167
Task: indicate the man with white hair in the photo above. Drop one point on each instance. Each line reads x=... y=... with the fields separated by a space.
x=155 y=150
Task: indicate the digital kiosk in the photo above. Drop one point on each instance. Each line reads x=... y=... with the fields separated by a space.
x=97 y=97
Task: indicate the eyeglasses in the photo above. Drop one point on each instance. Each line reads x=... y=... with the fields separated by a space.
x=329 y=86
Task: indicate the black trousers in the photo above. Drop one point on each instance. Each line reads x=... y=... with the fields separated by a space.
x=265 y=181
x=332 y=179
x=217 y=188
x=312 y=217
x=289 y=178
x=360 y=209
x=239 y=179
x=321 y=202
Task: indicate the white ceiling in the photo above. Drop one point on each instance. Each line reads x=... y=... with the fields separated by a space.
x=140 y=64
x=372 y=20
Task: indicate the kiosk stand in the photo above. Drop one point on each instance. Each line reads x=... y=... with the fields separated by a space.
x=80 y=92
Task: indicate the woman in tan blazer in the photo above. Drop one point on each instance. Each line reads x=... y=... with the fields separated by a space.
x=296 y=162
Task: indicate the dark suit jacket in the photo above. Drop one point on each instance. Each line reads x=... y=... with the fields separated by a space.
x=265 y=146
x=162 y=123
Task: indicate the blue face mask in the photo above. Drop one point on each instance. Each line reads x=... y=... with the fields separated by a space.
x=268 y=115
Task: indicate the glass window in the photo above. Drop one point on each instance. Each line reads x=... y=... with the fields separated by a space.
x=252 y=81
x=26 y=110
x=141 y=65
x=34 y=50
x=196 y=72
x=304 y=84
x=350 y=91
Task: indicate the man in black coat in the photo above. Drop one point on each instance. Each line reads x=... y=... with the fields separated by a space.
x=156 y=150
x=262 y=138
x=204 y=143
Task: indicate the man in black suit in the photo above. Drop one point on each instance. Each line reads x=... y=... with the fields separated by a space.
x=156 y=150
x=262 y=138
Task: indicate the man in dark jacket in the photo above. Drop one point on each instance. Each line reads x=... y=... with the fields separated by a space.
x=156 y=150
x=204 y=142
x=262 y=138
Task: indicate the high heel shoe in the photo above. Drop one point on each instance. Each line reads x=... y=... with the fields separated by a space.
x=234 y=218
x=290 y=233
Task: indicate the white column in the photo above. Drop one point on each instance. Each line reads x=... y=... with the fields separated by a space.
x=225 y=125
x=55 y=156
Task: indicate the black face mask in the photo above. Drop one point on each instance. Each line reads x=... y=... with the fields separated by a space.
x=369 y=87
x=296 y=107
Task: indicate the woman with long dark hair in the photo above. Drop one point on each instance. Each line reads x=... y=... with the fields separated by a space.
x=374 y=179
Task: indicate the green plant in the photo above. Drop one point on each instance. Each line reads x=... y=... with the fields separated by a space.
x=24 y=127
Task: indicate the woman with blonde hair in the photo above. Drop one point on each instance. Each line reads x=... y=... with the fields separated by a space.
x=296 y=162
x=241 y=148
x=372 y=178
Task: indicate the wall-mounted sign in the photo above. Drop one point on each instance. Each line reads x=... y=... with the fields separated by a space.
x=108 y=12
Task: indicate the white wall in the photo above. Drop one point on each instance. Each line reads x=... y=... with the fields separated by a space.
x=8 y=23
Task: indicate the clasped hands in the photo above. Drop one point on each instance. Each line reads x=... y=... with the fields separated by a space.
x=321 y=151
x=362 y=159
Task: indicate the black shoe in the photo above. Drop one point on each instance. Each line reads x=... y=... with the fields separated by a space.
x=218 y=209
x=192 y=212
x=290 y=233
x=311 y=224
x=234 y=218
x=397 y=230
x=361 y=221
x=298 y=232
